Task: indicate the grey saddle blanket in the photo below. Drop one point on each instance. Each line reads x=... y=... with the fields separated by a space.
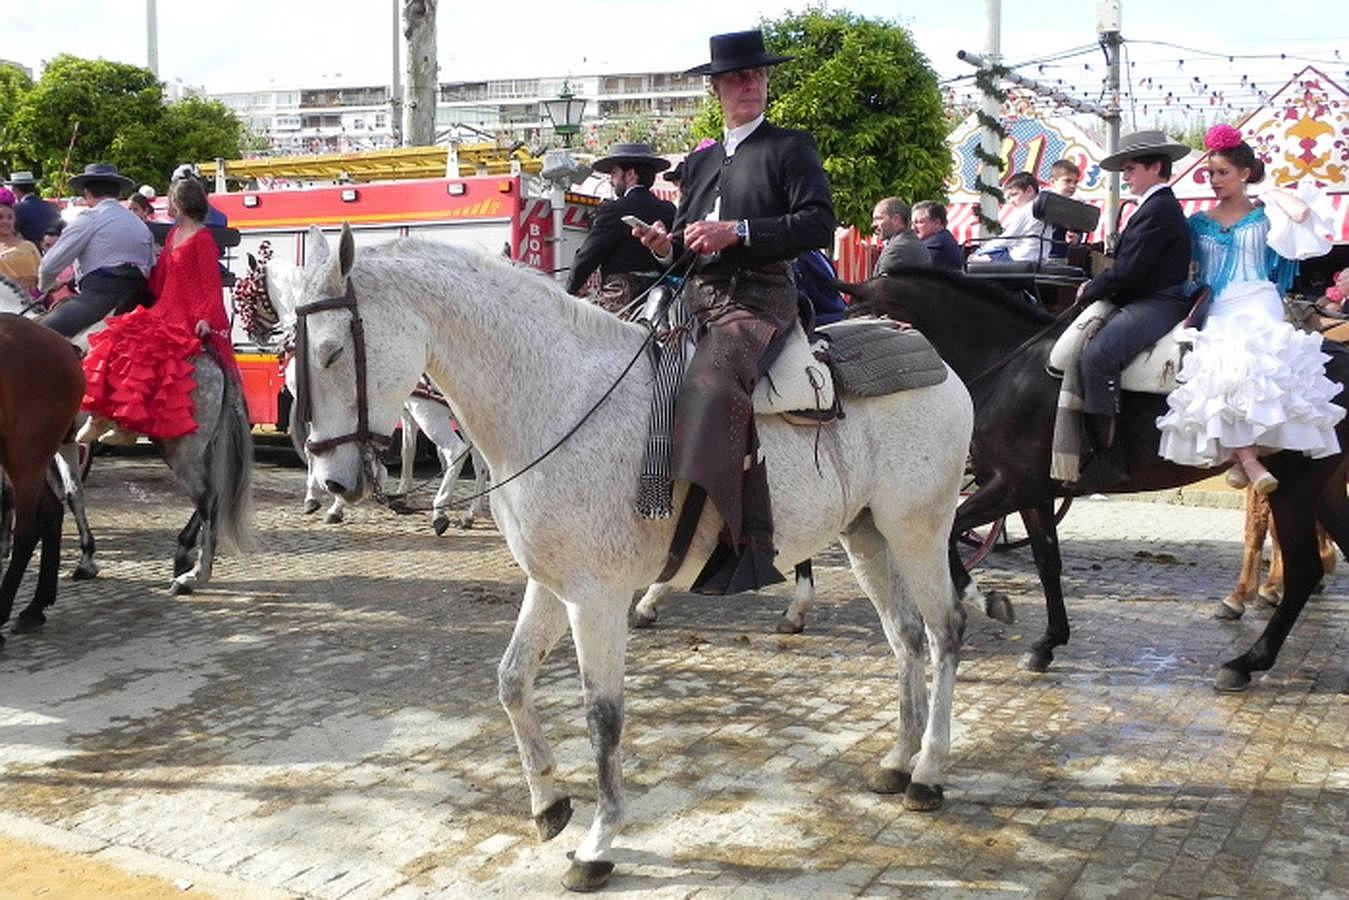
x=873 y=357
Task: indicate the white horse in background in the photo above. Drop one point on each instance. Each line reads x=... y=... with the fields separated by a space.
x=523 y=363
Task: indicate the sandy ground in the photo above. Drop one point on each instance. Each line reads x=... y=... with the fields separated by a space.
x=32 y=870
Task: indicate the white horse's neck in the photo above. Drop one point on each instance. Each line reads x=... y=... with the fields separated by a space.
x=519 y=360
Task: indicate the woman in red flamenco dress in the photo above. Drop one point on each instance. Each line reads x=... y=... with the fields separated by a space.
x=138 y=372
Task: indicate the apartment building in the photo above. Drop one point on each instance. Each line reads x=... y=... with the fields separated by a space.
x=335 y=119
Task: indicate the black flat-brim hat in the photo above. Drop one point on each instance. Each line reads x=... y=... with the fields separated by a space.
x=106 y=172
x=1144 y=143
x=632 y=156
x=735 y=51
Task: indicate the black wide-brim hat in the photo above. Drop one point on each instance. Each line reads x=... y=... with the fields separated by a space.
x=735 y=51
x=632 y=156
x=1144 y=143
x=106 y=172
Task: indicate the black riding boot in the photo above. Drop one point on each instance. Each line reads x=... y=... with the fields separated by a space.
x=749 y=566
x=1105 y=467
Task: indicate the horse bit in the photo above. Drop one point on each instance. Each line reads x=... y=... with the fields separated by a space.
x=369 y=444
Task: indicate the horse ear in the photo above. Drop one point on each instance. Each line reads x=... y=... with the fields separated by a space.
x=252 y=262
x=346 y=251
x=315 y=247
x=283 y=283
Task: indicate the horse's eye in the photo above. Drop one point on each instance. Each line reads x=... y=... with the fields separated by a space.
x=331 y=356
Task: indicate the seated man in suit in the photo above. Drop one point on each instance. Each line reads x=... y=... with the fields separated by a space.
x=626 y=267
x=1147 y=282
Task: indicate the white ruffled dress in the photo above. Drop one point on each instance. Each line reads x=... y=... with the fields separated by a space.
x=1251 y=379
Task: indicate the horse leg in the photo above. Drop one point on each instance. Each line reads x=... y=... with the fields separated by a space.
x=1271 y=592
x=409 y=450
x=27 y=500
x=1295 y=528
x=68 y=465
x=336 y=513
x=542 y=621
x=647 y=610
x=208 y=508
x=187 y=545
x=48 y=527
x=1253 y=544
x=480 y=478
x=983 y=506
x=312 y=502
x=452 y=461
x=793 y=620
x=873 y=566
x=599 y=631
x=1044 y=542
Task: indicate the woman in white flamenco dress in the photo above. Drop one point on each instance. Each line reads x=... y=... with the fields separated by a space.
x=1252 y=384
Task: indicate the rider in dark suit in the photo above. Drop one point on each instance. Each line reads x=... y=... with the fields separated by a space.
x=749 y=205
x=1147 y=282
x=626 y=267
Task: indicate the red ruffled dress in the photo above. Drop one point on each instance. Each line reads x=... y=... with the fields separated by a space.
x=139 y=369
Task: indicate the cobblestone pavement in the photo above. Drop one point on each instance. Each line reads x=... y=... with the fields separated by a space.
x=322 y=721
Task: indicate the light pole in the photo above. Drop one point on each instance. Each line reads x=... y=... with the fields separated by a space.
x=564 y=112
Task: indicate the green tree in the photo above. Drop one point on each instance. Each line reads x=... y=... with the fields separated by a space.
x=113 y=112
x=14 y=84
x=869 y=97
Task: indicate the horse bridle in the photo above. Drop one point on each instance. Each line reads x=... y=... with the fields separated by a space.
x=369 y=444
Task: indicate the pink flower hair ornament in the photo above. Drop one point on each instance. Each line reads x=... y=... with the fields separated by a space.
x=1222 y=137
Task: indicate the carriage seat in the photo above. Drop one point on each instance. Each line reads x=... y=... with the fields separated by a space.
x=1152 y=372
x=1046 y=272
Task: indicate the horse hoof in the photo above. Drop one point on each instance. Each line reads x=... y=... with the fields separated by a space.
x=27 y=623
x=1271 y=599
x=1231 y=681
x=440 y=524
x=332 y=519
x=998 y=606
x=640 y=619
x=889 y=781
x=466 y=523
x=311 y=507
x=1227 y=612
x=1037 y=660
x=179 y=587
x=83 y=572
x=552 y=820
x=787 y=626
x=922 y=797
x=584 y=877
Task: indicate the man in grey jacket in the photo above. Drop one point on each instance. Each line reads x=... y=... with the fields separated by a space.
x=890 y=221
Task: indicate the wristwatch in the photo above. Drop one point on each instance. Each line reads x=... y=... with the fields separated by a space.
x=742 y=231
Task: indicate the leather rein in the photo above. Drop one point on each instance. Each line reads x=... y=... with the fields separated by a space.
x=369 y=444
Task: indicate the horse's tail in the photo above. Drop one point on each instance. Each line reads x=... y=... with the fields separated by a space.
x=232 y=461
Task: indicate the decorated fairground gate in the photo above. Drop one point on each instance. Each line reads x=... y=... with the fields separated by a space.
x=494 y=213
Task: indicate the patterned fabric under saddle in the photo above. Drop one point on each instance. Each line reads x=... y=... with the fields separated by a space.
x=874 y=357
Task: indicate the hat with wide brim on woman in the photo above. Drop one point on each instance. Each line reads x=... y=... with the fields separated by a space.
x=105 y=172
x=735 y=51
x=1144 y=143
x=631 y=156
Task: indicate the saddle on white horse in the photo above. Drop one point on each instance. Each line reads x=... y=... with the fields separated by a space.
x=1152 y=372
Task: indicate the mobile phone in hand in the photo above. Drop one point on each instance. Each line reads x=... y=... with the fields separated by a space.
x=634 y=222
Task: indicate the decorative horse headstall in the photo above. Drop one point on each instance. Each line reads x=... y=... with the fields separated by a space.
x=370 y=444
x=252 y=302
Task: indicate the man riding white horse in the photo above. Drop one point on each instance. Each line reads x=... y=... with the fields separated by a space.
x=749 y=206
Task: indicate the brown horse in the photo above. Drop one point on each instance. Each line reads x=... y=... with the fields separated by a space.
x=41 y=384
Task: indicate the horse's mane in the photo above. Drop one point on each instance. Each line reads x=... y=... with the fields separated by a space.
x=980 y=289
x=519 y=282
x=20 y=295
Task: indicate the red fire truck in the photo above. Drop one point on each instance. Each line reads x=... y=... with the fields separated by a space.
x=490 y=212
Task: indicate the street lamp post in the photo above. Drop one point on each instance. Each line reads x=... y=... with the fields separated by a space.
x=564 y=112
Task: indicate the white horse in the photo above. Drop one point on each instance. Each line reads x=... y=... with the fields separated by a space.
x=522 y=363
x=422 y=414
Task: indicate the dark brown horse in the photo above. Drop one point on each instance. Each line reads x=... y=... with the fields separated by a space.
x=41 y=384
x=999 y=346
